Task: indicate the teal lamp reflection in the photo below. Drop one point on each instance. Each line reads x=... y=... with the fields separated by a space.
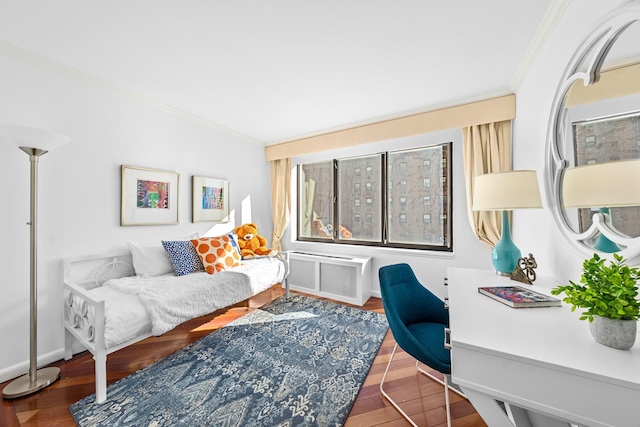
x=505 y=191
x=603 y=186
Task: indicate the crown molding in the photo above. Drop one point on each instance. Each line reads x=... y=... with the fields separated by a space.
x=71 y=73
x=554 y=13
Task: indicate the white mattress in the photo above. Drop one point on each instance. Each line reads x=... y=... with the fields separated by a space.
x=134 y=305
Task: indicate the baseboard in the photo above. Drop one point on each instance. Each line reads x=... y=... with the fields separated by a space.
x=22 y=368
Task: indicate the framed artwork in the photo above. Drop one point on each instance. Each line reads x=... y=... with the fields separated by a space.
x=149 y=196
x=210 y=199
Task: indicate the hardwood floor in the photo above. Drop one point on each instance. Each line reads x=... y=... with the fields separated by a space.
x=421 y=397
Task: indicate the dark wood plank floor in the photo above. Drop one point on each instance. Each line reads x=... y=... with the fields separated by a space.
x=421 y=397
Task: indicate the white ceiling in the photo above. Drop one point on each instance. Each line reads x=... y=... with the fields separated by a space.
x=275 y=70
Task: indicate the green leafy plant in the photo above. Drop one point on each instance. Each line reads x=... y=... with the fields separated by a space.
x=607 y=291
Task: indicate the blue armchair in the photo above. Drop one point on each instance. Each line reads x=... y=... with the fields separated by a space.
x=417 y=319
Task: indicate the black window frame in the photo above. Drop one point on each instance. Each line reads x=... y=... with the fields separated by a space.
x=385 y=215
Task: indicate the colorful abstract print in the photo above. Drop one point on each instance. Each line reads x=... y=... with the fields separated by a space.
x=152 y=195
x=212 y=198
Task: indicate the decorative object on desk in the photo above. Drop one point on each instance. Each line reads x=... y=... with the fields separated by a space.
x=525 y=270
x=34 y=142
x=297 y=361
x=609 y=293
x=149 y=197
x=506 y=191
x=210 y=199
x=519 y=297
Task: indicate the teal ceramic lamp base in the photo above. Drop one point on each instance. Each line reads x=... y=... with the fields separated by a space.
x=505 y=253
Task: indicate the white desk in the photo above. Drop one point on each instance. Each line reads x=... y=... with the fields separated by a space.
x=536 y=360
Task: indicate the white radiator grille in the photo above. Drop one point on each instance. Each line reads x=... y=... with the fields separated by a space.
x=339 y=280
x=302 y=273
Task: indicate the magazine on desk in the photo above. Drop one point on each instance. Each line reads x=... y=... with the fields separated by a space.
x=519 y=297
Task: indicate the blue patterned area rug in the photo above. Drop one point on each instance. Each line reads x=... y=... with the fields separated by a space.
x=295 y=362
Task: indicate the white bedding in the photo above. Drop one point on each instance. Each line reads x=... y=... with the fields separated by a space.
x=168 y=300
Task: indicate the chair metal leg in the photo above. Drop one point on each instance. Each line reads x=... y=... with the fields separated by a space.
x=445 y=383
x=387 y=396
x=458 y=392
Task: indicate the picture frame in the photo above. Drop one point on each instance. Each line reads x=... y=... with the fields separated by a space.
x=149 y=196
x=210 y=199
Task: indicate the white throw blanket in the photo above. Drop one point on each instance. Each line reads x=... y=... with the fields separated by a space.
x=172 y=300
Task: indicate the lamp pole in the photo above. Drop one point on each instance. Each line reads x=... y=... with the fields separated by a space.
x=36 y=379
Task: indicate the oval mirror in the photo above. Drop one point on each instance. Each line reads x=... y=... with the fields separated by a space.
x=595 y=119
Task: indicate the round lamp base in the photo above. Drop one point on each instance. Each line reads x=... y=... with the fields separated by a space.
x=23 y=386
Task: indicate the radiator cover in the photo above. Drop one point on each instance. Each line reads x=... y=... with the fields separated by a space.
x=341 y=278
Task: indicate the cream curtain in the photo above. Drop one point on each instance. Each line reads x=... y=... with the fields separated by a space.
x=280 y=199
x=309 y=192
x=487 y=149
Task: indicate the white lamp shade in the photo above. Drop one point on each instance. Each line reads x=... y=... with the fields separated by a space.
x=506 y=191
x=613 y=184
x=25 y=136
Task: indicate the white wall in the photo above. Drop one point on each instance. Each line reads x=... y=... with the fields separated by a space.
x=430 y=267
x=535 y=230
x=79 y=189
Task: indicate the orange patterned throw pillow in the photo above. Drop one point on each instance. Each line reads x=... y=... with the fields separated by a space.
x=216 y=253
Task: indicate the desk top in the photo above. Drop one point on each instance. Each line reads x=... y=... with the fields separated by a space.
x=550 y=337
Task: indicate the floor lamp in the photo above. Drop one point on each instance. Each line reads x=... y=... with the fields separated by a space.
x=505 y=191
x=34 y=142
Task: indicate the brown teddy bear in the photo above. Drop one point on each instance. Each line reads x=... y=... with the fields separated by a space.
x=251 y=243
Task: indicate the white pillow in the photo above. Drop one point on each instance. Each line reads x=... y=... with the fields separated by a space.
x=150 y=259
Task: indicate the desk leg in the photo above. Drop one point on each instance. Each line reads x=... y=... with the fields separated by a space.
x=534 y=419
x=490 y=411
x=493 y=414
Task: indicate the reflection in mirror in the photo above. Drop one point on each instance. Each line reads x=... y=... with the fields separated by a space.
x=596 y=119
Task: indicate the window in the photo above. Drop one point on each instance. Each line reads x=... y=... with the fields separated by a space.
x=329 y=197
x=315 y=192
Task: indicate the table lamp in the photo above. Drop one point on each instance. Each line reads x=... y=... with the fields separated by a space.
x=34 y=142
x=505 y=191
x=604 y=186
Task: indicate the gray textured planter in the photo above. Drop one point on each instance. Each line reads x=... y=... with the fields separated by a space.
x=620 y=334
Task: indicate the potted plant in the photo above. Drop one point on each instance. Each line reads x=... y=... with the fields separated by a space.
x=609 y=295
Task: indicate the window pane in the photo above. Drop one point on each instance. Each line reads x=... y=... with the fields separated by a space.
x=424 y=194
x=315 y=199
x=369 y=192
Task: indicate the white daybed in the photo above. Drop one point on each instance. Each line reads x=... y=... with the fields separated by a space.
x=107 y=308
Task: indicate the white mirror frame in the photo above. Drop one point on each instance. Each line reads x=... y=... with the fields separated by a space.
x=591 y=55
